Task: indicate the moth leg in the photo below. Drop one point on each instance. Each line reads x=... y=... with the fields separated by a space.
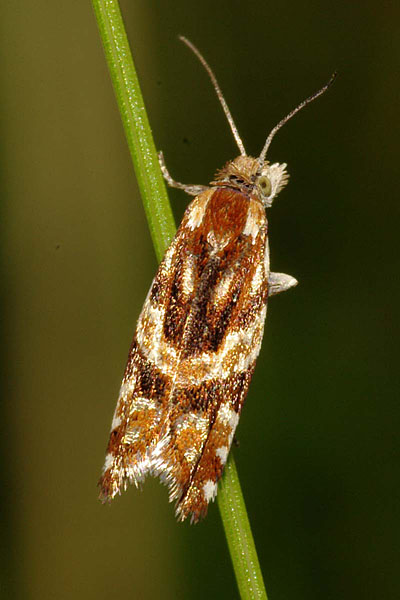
x=193 y=190
x=280 y=282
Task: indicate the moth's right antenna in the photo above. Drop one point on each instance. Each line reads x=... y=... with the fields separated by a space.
x=291 y=114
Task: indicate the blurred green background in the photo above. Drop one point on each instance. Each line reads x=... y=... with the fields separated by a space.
x=319 y=454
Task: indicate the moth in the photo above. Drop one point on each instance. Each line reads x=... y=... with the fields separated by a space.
x=199 y=333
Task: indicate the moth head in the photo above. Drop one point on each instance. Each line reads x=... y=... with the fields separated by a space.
x=246 y=173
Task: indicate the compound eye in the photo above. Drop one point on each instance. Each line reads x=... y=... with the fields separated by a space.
x=264 y=185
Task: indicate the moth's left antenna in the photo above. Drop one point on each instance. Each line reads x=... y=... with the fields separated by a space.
x=218 y=92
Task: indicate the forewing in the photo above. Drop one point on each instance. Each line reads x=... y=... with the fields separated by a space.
x=140 y=426
x=191 y=362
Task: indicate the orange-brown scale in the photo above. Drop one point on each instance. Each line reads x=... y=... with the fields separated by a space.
x=230 y=250
x=161 y=287
x=232 y=392
x=196 y=320
x=203 y=401
x=109 y=486
x=179 y=304
x=153 y=386
x=226 y=216
x=209 y=468
x=245 y=306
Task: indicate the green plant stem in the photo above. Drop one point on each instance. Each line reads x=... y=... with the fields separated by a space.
x=136 y=124
x=162 y=228
x=239 y=536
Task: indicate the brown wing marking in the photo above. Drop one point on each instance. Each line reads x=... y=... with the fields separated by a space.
x=193 y=355
x=195 y=480
x=203 y=418
x=139 y=426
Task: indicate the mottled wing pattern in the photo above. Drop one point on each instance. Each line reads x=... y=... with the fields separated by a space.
x=194 y=353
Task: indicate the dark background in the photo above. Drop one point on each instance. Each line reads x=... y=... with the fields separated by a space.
x=318 y=456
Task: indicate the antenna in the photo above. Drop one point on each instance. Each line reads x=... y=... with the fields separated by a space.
x=218 y=92
x=291 y=114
